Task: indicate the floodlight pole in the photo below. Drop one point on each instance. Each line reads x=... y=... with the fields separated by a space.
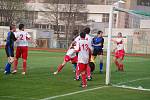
x=107 y=81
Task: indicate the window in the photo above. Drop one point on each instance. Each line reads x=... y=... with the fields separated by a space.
x=36 y=25
x=62 y=28
x=110 y=2
x=105 y=18
x=29 y=1
x=143 y=2
x=81 y=17
x=44 y=1
x=114 y=19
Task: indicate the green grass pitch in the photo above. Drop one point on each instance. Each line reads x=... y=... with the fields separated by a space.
x=40 y=83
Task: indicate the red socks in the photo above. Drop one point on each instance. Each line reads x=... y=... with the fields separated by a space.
x=84 y=79
x=77 y=72
x=121 y=67
x=88 y=70
x=60 y=67
x=117 y=64
x=15 y=64
x=24 y=66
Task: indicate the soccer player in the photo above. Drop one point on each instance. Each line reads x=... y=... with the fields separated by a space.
x=84 y=54
x=9 y=48
x=22 y=48
x=98 y=42
x=89 y=39
x=119 y=52
x=70 y=56
x=75 y=34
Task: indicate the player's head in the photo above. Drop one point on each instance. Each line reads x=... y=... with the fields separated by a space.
x=82 y=35
x=87 y=30
x=119 y=34
x=73 y=45
x=75 y=33
x=13 y=28
x=99 y=33
x=21 y=27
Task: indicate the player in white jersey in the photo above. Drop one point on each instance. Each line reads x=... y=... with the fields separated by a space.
x=70 y=56
x=89 y=39
x=84 y=54
x=22 y=48
x=119 y=52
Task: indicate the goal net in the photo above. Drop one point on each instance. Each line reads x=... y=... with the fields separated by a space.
x=135 y=28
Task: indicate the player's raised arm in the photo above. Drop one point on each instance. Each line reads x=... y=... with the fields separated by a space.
x=113 y=40
x=29 y=38
x=77 y=47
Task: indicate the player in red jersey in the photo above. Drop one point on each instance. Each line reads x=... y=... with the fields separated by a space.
x=119 y=52
x=70 y=56
x=84 y=55
x=22 y=48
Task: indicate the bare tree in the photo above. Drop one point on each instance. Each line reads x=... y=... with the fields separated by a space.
x=75 y=15
x=10 y=11
x=66 y=13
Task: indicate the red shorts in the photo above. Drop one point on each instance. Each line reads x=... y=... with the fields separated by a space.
x=82 y=67
x=22 y=51
x=73 y=60
x=120 y=54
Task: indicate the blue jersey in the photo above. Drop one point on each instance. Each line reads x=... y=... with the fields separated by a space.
x=10 y=44
x=98 y=40
x=10 y=39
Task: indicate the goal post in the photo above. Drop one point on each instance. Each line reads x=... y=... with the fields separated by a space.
x=107 y=81
x=133 y=13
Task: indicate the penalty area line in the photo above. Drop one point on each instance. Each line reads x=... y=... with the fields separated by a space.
x=121 y=84
x=139 y=79
x=129 y=87
x=14 y=97
x=72 y=93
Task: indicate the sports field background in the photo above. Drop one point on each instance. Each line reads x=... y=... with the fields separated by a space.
x=40 y=83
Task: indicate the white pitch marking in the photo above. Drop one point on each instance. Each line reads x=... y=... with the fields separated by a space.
x=14 y=97
x=133 y=88
x=72 y=93
x=133 y=80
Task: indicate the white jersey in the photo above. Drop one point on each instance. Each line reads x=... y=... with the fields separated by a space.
x=71 y=53
x=88 y=38
x=22 y=37
x=120 y=45
x=82 y=47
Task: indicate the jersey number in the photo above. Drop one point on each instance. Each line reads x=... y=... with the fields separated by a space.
x=21 y=36
x=85 y=47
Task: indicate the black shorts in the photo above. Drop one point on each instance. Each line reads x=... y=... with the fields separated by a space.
x=97 y=52
x=9 y=51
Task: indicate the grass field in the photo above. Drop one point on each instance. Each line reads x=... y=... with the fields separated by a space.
x=40 y=83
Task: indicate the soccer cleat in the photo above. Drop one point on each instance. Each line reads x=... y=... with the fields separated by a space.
x=23 y=73
x=101 y=72
x=14 y=72
x=55 y=73
x=89 y=78
x=77 y=79
x=6 y=72
x=84 y=86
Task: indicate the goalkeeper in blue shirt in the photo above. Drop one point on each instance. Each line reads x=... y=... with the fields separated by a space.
x=98 y=43
x=9 y=48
